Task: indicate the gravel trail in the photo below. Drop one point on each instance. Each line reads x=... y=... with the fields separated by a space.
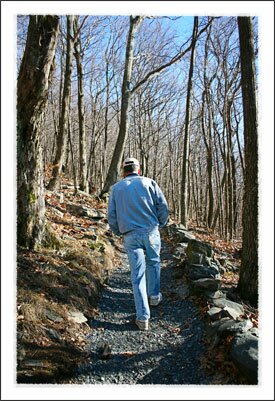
x=168 y=353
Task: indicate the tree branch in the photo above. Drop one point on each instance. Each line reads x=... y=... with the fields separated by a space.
x=176 y=58
x=75 y=37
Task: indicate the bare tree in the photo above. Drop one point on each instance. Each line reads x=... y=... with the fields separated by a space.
x=156 y=112
x=32 y=94
x=184 y=182
x=63 y=122
x=248 y=282
x=125 y=102
x=78 y=52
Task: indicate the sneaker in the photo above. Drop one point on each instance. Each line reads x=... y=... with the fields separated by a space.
x=142 y=324
x=154 y=300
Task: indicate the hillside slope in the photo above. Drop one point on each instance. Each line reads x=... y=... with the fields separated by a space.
x=58 y=288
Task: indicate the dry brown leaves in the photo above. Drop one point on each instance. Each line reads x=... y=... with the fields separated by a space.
x=58 y=281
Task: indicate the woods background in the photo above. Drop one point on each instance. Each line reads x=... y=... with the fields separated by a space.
x=183 y=120
x=184 y=104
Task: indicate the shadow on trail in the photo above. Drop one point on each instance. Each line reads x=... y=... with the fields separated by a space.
x=165 y=365
x=169 y=353
x=98 y=324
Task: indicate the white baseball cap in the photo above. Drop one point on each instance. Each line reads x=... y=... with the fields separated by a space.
x=130 y=161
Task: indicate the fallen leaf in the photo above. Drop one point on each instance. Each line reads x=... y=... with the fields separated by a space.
x=128 y=353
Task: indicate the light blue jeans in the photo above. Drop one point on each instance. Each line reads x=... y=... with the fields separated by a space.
x=143 y=250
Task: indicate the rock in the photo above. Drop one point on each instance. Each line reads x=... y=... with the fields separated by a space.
x=181 y=235
x=77 y=317
x=195 y=258
x=53 y=334
x=180 y=249
x=172 y=227
x=254 y=331
x=216 y=313
x=179 y=232
x=212 y=328
x=209 y=284
x=199 y=247
x=222 y=303
x=81 y=210
x=196 y=272
x=228 y=326
x=214 y=295
x=229 y=266
x=244 y=352
x=34 y=363
x=232 y=313
x=182 y=291
x=53 y=316
x=213 y=263
x=100 y=224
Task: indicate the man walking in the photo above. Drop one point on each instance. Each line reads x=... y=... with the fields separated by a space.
x=137 y=209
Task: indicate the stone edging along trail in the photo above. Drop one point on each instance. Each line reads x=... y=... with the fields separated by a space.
x=169 y=353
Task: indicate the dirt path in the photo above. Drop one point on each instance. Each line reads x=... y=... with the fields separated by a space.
x=169 y=353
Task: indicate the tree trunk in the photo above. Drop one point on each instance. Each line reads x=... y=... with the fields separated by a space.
x=230 y=217
x=83 y=182
x=209 y=156
x=72 y=153
x=184 y=193
x=63 y=124
x=106 y=124
x=55 y=124
x=125 y=103
x=32 y=94
x=248 y=282
x=208 y=139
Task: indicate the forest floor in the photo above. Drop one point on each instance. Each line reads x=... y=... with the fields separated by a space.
x=59 y=293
